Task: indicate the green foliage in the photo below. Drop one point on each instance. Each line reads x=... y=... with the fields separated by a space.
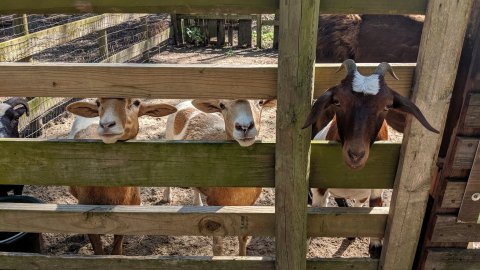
x=196 y=35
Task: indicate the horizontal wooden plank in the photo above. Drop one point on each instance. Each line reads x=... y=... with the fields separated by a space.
x=466 y=148
x=138 y=48
x=185 y=220
x=27 y=45
x=452 y=259
x=472 y=118
x=150 y=6
x=167 y=81
x=453 y=195
x=448 y=230
x=25 y=261
x=373 y=6
x=193 y=164
x=208 y=6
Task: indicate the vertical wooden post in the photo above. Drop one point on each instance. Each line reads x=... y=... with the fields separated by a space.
x=20 y=28
x=298 y=31
x=435 y=76
x=177 y=29
x=146 y=30
x=276 y=30
x=103 y=43
x=245 y=33
x=221 y=33
x=230 y=33
x=259 y=31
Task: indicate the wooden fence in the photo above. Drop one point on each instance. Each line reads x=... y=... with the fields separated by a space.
x=290 y=165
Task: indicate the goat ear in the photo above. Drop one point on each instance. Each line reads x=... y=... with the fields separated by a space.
x=84 y=109
x=321 y=113
x=156 y=110
x=268 y=103
x=404 y=105
x=396 y=119
x=207 y=105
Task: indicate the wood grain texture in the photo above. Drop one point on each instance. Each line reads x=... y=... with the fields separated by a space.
x=150 y=6
x=25 y=261
x=448 y=230
x=373 y=7
x=453 y=195
x=296 y=73
x=208 y=7
x=21 y=47
x=452 y=259
x=167 y=81
x=466 y=148
x=435 y=76
x=185 y=220
x=472 y=119
x=138 y=48
x=470 y=208
x=191 y=164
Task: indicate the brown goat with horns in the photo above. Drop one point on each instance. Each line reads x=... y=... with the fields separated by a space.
x=355 y=113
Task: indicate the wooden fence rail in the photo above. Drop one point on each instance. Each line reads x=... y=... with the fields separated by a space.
x=185 y=220
x=191 y=164
x=167 y=81
x=208 y=6
x=39 y=262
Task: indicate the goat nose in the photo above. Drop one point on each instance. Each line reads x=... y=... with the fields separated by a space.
x=356 y=156
x=244 y=128
x=108 y=124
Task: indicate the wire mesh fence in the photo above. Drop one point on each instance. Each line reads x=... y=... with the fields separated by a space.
x=79 y=38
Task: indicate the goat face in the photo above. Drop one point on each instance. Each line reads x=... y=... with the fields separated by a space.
x=119 y=116
x=10 y=112
x=360 y=104
x=241 y=116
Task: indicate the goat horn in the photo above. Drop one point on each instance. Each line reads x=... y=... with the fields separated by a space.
x=18 y=101
x=349 y=65
x=384 y=66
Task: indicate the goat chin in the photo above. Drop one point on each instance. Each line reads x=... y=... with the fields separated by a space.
x=245 y=142
x=110 y=139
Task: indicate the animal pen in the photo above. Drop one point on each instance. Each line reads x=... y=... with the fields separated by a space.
x=290 y=165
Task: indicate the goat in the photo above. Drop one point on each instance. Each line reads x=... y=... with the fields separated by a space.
x=10 y=111
x=239 y=121
x=369 y=38
x=112 y=120
x=353 y=113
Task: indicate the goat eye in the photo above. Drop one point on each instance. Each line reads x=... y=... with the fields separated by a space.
x=261 y=102
x=222 y=106
x=388 y=107
x=336 y=102
x=136 y=103
x=98 y=103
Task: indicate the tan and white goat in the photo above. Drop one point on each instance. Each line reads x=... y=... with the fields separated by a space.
x=112 y=120
x=214 y=120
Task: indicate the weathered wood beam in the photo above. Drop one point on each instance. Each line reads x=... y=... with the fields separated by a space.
x=47 y=162
x=453 y=195
x=162 y=80
x=435 y=75
x=296 y=76
x=21 y=47
x=25 y=261
x=452 y=259
x=207 y=6
x=185 y=220
x=138 y=48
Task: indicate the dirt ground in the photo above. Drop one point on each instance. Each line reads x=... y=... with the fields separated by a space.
x=154 y=129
